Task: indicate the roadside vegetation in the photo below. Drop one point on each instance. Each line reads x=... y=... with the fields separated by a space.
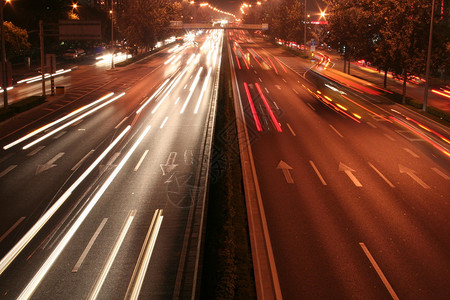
x=227 y=263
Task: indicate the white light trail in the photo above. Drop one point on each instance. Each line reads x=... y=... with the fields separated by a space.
x=12 y=254
x=205 y=84
x=71 y=122
x=191 y=89
x=153 y=96
x=32 y=285
x=56 y=122
x=169 y=90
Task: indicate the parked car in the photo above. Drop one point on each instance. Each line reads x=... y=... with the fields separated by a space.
x=73 y=53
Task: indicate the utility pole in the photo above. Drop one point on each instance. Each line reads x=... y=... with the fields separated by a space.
x=112 y=34
x=304 y=31
x=41 y=42
x=427 y=72
x=4 y=65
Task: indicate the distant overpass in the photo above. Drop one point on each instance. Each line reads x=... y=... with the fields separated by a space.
x=181 y=25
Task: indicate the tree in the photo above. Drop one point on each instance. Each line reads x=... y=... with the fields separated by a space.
x=287 y=21
x=144 y=22
x=16 y=39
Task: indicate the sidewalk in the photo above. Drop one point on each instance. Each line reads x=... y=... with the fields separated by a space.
x=414 y=91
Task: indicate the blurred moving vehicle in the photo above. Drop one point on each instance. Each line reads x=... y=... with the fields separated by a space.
x=73 y=53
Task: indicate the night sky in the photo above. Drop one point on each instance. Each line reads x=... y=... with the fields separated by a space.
x=233 y=5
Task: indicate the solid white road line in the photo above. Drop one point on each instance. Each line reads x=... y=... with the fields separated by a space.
x=140 y=270
x=411 y=152
x=440 y=173
x=290 y=128
x=89 y=246
x=82 y=160
x=382 y=176
x=11 y=229
x=112 y=255
x=141 y=160
x=335 y=130
x=317 y=172
x=8 y=169
x=379 y=272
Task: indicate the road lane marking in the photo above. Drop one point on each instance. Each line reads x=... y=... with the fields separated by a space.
x=260 y=80
x=82 y=160
x=349 y=172
x=317 y=172
x=141 y=267
x=255 y=71
x=295 y=91
x=111 y=257
x=290 y=128
x=11 y=229
x=440 y=173
x=284 y=80
x=310 y=106
x=276 y=105
x=35 y=150
x=382 y=176
x=77 y=123
x=285 y=168
x=379 y=271
x=164 y=122
x=390 y=137
x=371 y=125
x=267 y=91
x=411 y=152
x=141 y=160
x=178 y=99
x=59 y=135
x=50 y=164
x=89 y=246
x=335 y=130
x=412 y=174
x=123 y=120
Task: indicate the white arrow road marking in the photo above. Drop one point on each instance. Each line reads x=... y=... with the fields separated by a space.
x=286 y=171
x=412 y=174
x=349 y=171
x=48 y=165
x=170 y=164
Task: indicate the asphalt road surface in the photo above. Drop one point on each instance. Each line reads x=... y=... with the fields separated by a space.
x=102 y=190
x=355 y=188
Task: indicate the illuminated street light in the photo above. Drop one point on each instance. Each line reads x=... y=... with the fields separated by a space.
x=4 y=65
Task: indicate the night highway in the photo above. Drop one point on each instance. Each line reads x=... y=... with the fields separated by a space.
x=354 y=188
x=103 y=189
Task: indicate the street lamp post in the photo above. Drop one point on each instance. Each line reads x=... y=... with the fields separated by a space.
x=112 y=33
x=304 y=31
x=427 y=72
x=4 y=66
